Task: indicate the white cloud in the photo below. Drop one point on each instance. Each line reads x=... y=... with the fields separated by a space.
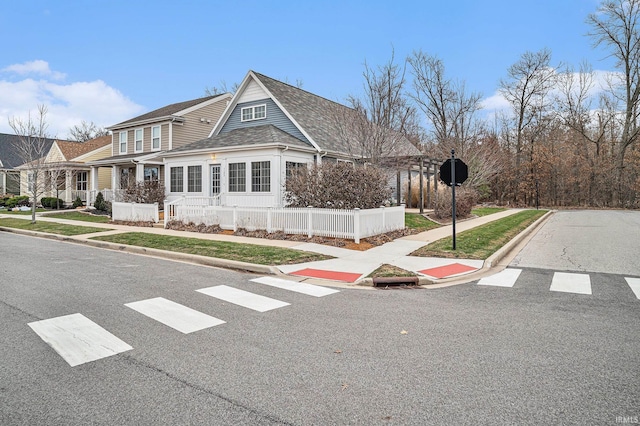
x=68 y=103
x=37 y=67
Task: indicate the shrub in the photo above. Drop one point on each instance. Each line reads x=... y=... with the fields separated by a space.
x=51 y=202
x=466 y=198
x=147 y=192
x=77 y=202
x=17 y=201
x=99 y=204
x=337 y=186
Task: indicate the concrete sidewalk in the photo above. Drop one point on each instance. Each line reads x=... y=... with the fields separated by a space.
x=348 y=266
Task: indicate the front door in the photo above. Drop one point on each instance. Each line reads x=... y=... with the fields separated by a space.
x=215 y=180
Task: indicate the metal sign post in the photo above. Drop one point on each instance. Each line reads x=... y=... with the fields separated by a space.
x=453 y=195
x=453 y=172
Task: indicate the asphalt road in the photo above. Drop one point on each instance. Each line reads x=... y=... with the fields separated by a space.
x=589 y=240
x=467 y=354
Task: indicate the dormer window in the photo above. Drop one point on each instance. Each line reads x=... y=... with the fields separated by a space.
x=257 y=112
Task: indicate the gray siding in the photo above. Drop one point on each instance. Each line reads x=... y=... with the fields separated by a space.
x=274 y=116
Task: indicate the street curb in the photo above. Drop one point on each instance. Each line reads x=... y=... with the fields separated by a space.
x=171 y=255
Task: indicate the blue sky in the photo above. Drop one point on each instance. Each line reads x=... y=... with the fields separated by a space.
x=107 y=61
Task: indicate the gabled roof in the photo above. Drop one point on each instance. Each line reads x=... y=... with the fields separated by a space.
x=317 y=118
x=72 y=150
x=246 y=136
x=9 y=157
x=171 y=111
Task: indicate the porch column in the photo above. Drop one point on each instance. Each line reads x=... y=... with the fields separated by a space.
x=139 y=172
x=94 y=178
x=68 y=186
x=114 y=177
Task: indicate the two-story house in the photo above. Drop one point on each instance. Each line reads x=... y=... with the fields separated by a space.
x=137 y=144
x=10 y=159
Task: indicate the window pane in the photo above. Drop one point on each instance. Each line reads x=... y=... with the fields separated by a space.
x=261 y=176
x=194 y=179
x=123 y=141
x=177 y=179
x=155 y=137
x=247 y=114
x=237 y=177
x=260 y=111
x=138 y=140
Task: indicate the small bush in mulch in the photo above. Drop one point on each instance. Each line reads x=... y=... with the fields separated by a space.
x=192 y=227
x=365 y=243
x=140 y=223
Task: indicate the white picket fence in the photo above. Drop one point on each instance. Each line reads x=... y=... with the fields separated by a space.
x=350 y=224
x=135 y=212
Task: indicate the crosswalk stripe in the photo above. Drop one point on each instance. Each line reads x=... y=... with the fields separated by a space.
x=571 y=283
x=634 y=283
x=77 y=339
x=304 y=288
x=506 y=278
x=243 y=298
x=175 y=315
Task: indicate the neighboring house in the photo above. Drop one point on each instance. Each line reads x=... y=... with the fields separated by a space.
x=9 y=160
x=138 y=144
x=268 y=129
x=66 y=174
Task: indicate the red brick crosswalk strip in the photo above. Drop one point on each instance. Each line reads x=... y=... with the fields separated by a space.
x=447 y=270
x=348 y=277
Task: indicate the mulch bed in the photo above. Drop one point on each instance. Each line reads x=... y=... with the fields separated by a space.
x=365 y=243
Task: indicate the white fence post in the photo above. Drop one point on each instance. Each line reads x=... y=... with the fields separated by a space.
x=384 y=222
x=356 y=226
x=309 y=224
x=235 y=218
x=269 y=210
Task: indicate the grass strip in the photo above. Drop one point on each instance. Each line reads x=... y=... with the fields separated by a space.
x=250 y=253
x=484 y=211
x=483 y=241
x=85 y=217
x=50 y=227
x=418 y=222
x=21 y=213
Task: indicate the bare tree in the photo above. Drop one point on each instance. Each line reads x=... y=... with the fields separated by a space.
x=31 y=147
x=615 y=27
x=221 y=88
x=527 y=88
x=86 y=131
x=380 y=123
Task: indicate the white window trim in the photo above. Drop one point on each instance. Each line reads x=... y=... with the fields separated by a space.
x=135 y=140
x=253 y=113
x=126 y=142
x=159 y=138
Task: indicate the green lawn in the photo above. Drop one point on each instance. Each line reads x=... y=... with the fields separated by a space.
x=86 y=217
x=251 y=253
x=483 y=241
x=418 y=222
x=38 y=210
x=50 y=227
x=484 y=211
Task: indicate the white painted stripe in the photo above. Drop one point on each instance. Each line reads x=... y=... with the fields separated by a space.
x=77 y=339
x=304 y=288
x=506 y=278
x=243 y=298
x=634 y=283
x=571 y=283
x=175 y=315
